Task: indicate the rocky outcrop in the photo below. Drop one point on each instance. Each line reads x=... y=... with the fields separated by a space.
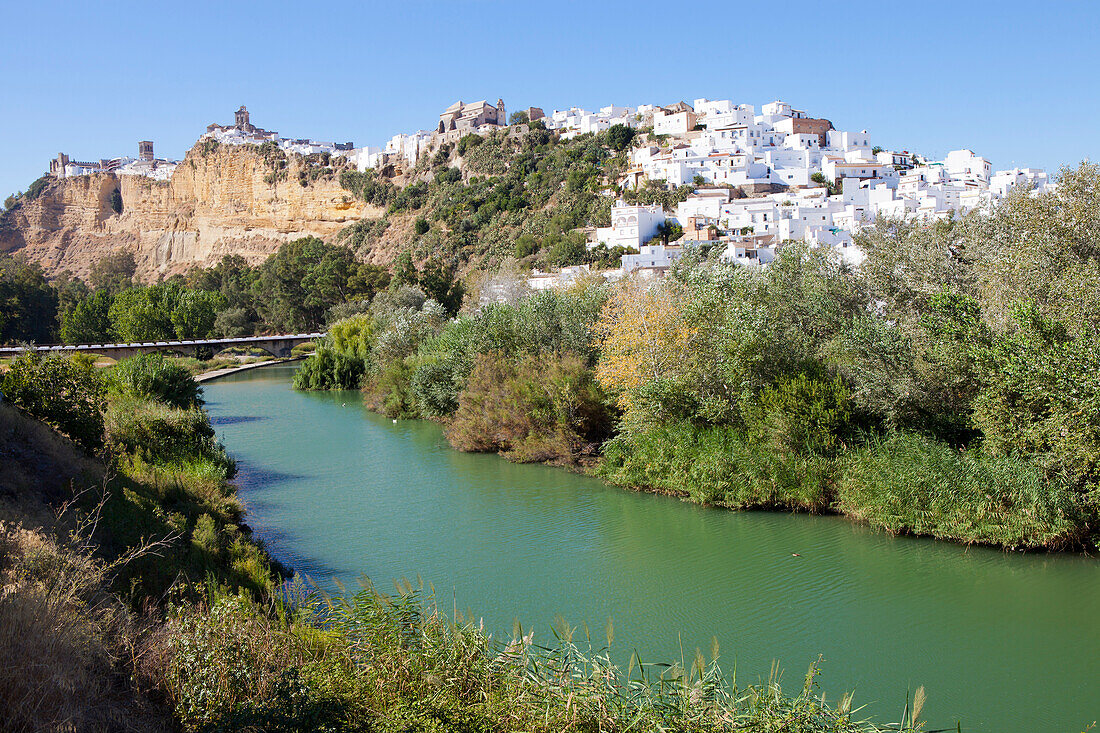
x=225 y=200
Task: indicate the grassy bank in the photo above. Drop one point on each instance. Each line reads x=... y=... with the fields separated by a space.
x=133 y=597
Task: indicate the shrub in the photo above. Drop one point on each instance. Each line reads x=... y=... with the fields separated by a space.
x=329 y=369
x=390 y=392
x=164 y=434
x=542 y=407
x=235 y=323
x=909 y=483
x=803 y=414
x=64 y=391
x=620 y=136
x=232 y=668
x=153 y=377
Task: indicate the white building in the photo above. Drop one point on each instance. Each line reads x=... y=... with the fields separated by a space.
x=652 y=256
x=963 y=165
x=631 y=226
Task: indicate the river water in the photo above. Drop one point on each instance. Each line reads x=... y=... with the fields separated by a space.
x=1002 y=642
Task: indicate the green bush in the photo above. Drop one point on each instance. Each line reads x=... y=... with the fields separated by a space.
x=909 y=483
x=153 y=377
x=64 y=391
x=232 y=668
x=803 y=414
x=164 y=434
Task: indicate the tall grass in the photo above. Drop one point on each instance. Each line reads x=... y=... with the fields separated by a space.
x=717 y=465
x=396 y=663
x=912 y=484
x=66 y=645
x=163 y=433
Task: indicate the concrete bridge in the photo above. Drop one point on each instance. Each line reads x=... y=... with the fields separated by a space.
x=274 y=345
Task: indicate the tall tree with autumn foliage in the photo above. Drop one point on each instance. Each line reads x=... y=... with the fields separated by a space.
x=644 y=338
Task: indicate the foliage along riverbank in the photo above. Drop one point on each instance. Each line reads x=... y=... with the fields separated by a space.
x=132 y=597
x=948 y=387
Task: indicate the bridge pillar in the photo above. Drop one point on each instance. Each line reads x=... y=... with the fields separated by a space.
x=280 y=349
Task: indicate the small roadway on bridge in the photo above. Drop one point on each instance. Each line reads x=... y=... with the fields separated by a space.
x=278 y=345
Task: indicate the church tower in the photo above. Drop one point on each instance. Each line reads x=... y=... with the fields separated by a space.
x=502 y=119
x=242 y=119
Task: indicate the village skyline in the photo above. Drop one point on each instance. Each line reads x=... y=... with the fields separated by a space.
x=333 y=83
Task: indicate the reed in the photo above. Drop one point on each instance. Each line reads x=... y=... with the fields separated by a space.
x=911 y=484
x=397 y=662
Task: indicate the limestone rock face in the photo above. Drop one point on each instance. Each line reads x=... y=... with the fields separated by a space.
x=218 y=202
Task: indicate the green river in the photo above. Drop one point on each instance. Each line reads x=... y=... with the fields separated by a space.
x=1002 y=642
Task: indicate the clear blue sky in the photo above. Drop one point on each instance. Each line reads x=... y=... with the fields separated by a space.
x=1016 y=81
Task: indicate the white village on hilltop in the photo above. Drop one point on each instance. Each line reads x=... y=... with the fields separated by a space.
x=758 y=180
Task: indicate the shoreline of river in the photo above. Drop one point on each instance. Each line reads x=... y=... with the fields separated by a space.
x=217 y=373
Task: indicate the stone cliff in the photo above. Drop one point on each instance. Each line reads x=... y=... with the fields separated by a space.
x=221 y=200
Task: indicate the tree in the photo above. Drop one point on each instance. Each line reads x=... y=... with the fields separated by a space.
x=195 y=312
x=830 y=186
x=305 y=278
x=439 y=283
x=568 y=250
x=421 y=226
x=519 y=118
x=114 y=272
x=404 y=271
x=116 y=200
x=367 y=281
x=28 y=304
x=669 y=231
x=144 y=313
x=89 y=321
x=642 y=337
x=233 y=277
x=1042 y=397
x=620 y=136
x=526 y=245
x=70 y=291
x=234 y=323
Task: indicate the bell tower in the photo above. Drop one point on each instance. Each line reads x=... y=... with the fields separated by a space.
x=241 y=116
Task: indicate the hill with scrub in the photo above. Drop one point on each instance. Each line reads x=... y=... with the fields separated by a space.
x=520 y=189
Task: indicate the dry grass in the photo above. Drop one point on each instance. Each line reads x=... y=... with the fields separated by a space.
x=66 y=643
